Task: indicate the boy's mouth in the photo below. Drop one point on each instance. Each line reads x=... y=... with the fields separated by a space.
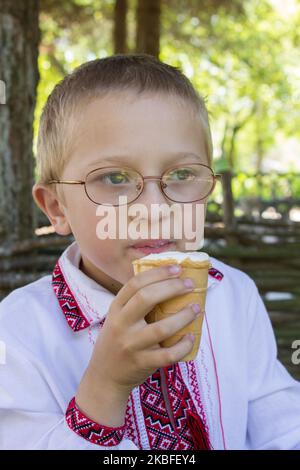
x=153 y=246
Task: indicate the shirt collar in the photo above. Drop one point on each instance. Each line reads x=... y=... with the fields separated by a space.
x=83 y=301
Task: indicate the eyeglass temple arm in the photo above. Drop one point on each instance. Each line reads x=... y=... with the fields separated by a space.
x=66 y=182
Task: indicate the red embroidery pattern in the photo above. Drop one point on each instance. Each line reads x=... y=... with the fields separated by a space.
x=132 y=431
x=195 y=390
x=190 y=433
x=73 y=314
x=91 y=431
x=216 y=274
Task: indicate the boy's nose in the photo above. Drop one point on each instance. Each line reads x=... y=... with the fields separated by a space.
x=152 y=193
x=157 y=221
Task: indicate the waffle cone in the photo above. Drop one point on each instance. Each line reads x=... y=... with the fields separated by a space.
x=196 y=270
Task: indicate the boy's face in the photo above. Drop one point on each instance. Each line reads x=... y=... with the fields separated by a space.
x=145 y=132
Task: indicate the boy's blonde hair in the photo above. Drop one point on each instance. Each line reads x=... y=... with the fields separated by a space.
x=140 y=73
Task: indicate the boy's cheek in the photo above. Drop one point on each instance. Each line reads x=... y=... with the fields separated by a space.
x=105 y=255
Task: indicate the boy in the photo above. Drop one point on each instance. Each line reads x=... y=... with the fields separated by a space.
x=83 y=369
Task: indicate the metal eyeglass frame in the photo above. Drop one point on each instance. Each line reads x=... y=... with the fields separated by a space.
x=143 y=178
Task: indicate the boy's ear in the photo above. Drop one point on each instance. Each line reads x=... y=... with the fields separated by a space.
x=52 y=207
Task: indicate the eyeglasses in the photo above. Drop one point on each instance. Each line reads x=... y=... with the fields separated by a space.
x=180 y=183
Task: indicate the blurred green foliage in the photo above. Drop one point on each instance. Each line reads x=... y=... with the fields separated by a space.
x=243 y=59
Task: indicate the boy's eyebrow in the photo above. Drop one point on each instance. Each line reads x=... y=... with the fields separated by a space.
x=119 y=158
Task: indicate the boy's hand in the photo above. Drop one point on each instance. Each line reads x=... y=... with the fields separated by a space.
x=127 y=350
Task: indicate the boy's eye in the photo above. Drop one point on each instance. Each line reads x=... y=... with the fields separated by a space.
x=114 y=178
x=181 y=174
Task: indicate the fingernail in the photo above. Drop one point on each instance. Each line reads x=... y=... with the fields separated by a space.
x=174 y=269
x=188 y=283
x=196 y=308
x=191 y=337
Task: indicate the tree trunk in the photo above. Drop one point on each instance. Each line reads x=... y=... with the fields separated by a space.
x=148 y=27
x=120 y=27
x=19 y=38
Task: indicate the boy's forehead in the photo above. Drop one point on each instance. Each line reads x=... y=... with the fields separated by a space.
x=122 y=102
x=99 y=118
x=115 y=134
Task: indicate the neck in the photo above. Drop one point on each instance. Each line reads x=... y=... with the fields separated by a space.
x=99 y=276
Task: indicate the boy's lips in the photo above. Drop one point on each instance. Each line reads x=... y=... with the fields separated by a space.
x=150 y=243
x=152 y=246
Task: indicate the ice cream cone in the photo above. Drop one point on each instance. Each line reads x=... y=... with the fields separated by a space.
x=196 y=269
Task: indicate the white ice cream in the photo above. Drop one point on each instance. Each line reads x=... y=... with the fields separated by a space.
x=179 y=255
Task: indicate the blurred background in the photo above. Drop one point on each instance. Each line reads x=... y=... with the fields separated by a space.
x=242 y=56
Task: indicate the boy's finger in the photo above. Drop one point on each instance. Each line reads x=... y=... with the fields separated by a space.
x=163 y=329
x=146 y=298
x=163 y=357
x=145 y=278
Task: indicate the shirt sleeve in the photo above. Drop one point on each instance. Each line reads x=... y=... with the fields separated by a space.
x=93 y=432
x=274 y=396
x=33 y=415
